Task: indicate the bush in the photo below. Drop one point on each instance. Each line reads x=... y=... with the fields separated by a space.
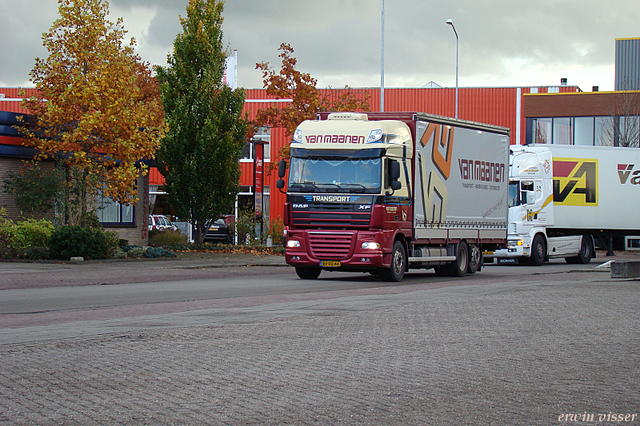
x=35 y=253
x=166 y=238
x=71 y=241
x=17 y=238
x=276 y=230
x=32 y=233
x=155 y=252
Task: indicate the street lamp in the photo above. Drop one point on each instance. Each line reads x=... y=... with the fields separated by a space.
x=382 y=62
x=450 y=22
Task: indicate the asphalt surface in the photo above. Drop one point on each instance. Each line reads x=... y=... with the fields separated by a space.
x=546 y=349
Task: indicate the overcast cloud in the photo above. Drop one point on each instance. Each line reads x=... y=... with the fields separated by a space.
x=502 y=42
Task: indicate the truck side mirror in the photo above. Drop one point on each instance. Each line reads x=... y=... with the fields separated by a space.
x=394 y=175
x=282 y=168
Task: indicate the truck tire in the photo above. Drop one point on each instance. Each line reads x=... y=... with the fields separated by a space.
x=538 y=251
x=308 y=273
x=461 y=264
x=585 y=254
x=398 y=264
x=475 y=259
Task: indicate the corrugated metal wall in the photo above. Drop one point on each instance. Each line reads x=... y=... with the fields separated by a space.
x=10 y=99
x=627 y=64
x=497 y=106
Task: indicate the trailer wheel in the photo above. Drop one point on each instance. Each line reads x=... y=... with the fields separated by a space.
x=475 y=259
x=538 y=251
x=585 y=254
x=398 y=264
x=461 y=264
x=307 y=273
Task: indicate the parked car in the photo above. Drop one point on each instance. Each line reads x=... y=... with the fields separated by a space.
x=221 y=230
x=158 y=222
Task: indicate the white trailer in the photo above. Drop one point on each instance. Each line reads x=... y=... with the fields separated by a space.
x=564 y=198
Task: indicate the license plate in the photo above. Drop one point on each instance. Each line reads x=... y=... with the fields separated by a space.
x=329 y=264
x=213 y=228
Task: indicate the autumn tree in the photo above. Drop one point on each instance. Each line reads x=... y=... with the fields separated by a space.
x=306 y=100
x=199 y=157
x=97 y=109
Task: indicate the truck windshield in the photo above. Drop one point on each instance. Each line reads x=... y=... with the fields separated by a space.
x=335 y=175
x=514 y=192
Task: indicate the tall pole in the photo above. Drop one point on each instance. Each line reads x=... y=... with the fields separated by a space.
x=450 y=22
x=382 y=63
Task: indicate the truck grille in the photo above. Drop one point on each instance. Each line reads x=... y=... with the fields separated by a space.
x=330 y=246
x=332 y=216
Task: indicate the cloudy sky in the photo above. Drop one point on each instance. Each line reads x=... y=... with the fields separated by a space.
x=502 y=43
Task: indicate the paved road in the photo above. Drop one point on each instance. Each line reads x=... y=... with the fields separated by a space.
x=495 y=350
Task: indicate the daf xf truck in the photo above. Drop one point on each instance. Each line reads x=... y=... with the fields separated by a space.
x=386 y=192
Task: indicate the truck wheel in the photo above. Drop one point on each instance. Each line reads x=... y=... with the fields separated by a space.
x=585 y=254
x=307 y=273
x=398 y=264
x=538 y=251
x=475 y=259
x=461 y=264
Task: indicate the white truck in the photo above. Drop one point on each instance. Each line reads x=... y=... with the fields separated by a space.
x=385 y=192
x=565 y=198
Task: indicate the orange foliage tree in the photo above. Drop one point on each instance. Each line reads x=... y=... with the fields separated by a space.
x=306 y=100
x=97 y=108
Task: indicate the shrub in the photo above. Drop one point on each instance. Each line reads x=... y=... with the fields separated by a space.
x=16 y=238
x=166 y=238
x=247 y=225
x=155 y=252
x=276 y=230
x=70 y=241
x=134 y=251
x=30 y=233
x=35 y=252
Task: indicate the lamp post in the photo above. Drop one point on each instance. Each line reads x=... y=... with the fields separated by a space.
x=382 y=61
x=450 y=22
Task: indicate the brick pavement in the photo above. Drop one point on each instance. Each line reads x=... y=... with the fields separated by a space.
x=520 y=356
x=201 y=266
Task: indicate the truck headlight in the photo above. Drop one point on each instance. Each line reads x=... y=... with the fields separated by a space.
x=293 y=243
x=370 y=245
x=515 y=243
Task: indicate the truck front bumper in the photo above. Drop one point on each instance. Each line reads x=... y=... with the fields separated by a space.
x=515 y=248
x=338 y=250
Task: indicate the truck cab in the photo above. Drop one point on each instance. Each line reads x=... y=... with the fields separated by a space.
x=531 y=210
x=347 y=193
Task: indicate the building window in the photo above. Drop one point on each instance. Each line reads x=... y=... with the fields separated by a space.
x=584 y=127
x=628 y=131
x=603 y=131
x=113 y=213
x=542 y=130
x=249 y=149
x=562 y=131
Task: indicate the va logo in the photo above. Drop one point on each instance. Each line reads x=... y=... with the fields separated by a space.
x=625 y=171
x=575 y=181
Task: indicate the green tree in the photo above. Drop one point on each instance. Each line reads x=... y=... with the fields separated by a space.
x=36 y=191
x=94 y=96
x=199 y=157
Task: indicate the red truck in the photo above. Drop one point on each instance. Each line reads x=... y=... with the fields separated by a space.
x=386 y=192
